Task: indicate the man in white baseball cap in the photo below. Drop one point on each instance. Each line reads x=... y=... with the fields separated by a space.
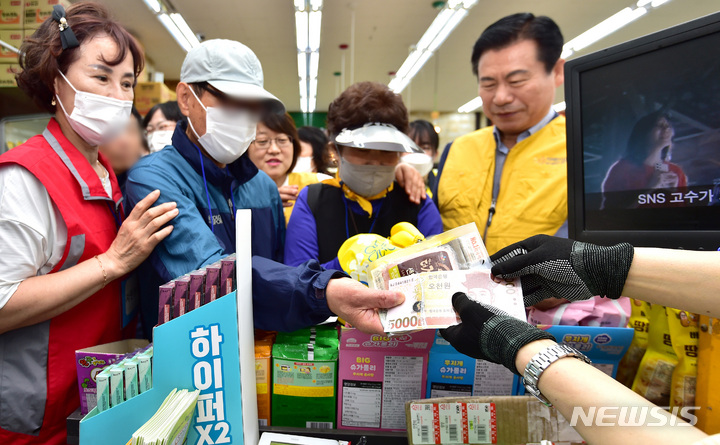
x=221 y=92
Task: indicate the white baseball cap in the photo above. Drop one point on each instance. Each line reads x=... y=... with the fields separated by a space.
x=230 y=67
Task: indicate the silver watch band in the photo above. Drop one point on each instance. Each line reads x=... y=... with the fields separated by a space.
x=541 y=361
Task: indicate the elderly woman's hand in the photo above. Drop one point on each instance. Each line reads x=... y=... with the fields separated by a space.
x=409 y=179
x=143 y=229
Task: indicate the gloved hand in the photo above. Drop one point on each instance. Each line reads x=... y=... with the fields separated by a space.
x=563 y=268
x=490 y=334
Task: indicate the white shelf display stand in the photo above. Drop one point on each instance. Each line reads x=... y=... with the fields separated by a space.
x=205 y=350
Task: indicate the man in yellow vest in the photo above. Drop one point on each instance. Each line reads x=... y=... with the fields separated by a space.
x=511 y=178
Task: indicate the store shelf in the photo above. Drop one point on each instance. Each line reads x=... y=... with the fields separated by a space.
x=353 y=436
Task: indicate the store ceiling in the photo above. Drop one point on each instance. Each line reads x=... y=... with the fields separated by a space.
x=384 y=31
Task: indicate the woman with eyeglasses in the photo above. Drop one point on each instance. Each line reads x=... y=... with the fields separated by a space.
x=275 y=151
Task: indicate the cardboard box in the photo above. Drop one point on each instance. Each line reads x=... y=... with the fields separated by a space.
x=90 y=361
x=452 y=374
x=485 y=420
x=12 y=37
x=377 y=375
x=37 y=11
x=149 y=94
x=7 y=74
x=11 y=14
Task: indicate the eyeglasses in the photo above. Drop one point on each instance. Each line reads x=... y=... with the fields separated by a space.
x=280 y=141
x=160 y=126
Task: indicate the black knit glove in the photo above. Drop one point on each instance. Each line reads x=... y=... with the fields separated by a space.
x=488 y=333
x=563 y=268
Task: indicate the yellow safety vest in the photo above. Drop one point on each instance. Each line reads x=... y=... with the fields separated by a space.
x=301 y=180
x=533 y=185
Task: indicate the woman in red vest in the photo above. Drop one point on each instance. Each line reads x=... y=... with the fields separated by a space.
x=62 y=237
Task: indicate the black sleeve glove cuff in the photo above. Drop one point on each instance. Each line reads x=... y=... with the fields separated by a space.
x=504 y=336
x=603 y=269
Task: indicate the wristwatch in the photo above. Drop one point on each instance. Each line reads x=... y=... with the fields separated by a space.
x=540 y=362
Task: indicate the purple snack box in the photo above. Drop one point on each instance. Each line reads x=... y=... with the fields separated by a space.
x=165 y=304
x=90 y=361
x=195 y=290
x=180 y=297
x=212 y=278
x=227 y=275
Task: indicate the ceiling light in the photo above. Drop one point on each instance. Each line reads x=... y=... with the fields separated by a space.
x=174 y=23
x=442 y=26
x=604 y=28
x=308 y=20
x=153 y=5
x=185 y=29
x=471 y=106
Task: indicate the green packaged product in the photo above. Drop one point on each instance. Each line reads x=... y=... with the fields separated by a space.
x=305 y=379
x=102 y=380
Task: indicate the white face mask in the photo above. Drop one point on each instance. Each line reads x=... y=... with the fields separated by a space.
x=419 y=161
x=97 y=119
x=158 y=139
x=228 y=133
x=366 y=180
x=303 y=164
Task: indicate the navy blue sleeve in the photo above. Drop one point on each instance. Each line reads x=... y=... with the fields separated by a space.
x=287 y=298
x=192 y=243
x=429 y=220
x=280 y=231
x=301 y=242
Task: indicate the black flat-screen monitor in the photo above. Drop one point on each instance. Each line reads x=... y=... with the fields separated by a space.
x=643 y=128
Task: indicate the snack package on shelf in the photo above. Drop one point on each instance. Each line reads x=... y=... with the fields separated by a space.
x=430 y=272
x=684 y=332
x=196 y=289
x=92 y=361
x=180 y=296
x=263 y=369
x=654 y=375
x=377 y=375
x=165 y=302
x=639 y=321
x=227 y=275
x=190 y=291
x=212 y=283
x=304 y=378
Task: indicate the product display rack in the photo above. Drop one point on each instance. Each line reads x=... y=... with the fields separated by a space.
x=355 y=437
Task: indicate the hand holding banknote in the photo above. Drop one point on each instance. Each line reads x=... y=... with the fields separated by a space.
x=563 y=268
x=490 y=334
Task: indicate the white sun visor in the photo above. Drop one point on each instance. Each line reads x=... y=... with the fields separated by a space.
x=377 y=136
